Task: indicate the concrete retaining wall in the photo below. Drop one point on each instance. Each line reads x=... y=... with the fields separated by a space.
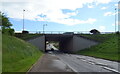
x=67 y=44
x=80 y=43
x=39 y=42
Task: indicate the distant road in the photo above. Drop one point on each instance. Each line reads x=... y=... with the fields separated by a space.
x=49 y=46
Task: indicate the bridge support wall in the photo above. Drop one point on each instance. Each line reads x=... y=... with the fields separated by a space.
x=39 y=42
x=66 y=43
x=80 y=43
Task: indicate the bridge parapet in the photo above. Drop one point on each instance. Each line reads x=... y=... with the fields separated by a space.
x=60 y=32
x=64 y=32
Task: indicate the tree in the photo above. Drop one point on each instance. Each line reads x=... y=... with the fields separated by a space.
x=94 y=31
x=117 y=32
x=5 y=21
x=5 y=25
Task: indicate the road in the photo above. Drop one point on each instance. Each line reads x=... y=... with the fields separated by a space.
x=63 y=62
x=79 y=63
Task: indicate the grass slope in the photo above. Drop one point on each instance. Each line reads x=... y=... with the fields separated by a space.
x=108 y=49
x=0 y=52
x=99 y=37
x=18 y=56
x=26 y=36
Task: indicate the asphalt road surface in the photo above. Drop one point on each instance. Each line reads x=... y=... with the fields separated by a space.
x=79 y=63
x=63 y=62
x=50 y=63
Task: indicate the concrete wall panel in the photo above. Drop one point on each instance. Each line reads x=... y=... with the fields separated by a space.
x=80 y=43
x=66 y=43
x=39 y=42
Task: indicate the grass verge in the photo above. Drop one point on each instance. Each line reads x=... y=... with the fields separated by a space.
x=26 y=36
x=18 y=56
x=108 y=49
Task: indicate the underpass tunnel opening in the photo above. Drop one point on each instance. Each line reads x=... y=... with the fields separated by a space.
x=66 y=44
x=63 y=43
x=52 y=46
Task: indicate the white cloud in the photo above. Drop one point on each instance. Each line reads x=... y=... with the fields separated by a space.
x=72 y=14
x=117 y=23
x=103 y=8
x=70 y=21
x=109 y=13
x=90 y=6
x=113 y=24
x=102 y=28
x=51 y=8
x=103 y=1
x=116 y=5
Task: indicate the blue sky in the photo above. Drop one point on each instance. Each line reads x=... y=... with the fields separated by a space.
x=62 y=15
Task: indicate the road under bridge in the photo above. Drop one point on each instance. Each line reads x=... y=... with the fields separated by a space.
x=67 y=42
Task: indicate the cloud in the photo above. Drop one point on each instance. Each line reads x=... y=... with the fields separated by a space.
x=109 y=13
x=102 y=28
x=103 y=8
x=72 y=14
x=116 y=5
x=51 y=8
x=116 y=23
x=90 y=6
x=71 y=22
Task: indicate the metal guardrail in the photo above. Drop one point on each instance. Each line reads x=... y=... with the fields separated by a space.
x=58 y=32
x=62 y=32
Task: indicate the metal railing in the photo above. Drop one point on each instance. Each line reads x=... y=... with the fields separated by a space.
x=62 y=32
x=58 y=32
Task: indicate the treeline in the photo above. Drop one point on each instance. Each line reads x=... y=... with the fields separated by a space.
x=6 y=25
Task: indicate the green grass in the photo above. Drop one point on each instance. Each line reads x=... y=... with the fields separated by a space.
x=108 y=49
x=18 y=56
x=26 y=36
x=99 y=37
x=0 y=52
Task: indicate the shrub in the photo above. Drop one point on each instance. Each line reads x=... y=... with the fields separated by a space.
x=117 y=32
x=8 y=31
x=94 y=31
x=25 y=32
x=11 y=32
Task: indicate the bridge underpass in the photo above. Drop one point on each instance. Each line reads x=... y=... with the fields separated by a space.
x=67 y=43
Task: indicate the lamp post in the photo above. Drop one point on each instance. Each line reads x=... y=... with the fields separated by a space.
x=115 y=19
x=44 y=27
x=23 y=19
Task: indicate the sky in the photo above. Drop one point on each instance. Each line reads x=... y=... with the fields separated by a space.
x=62 y=15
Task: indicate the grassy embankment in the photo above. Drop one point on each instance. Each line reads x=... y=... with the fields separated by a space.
x=0 y=52
x=27 y=36
x=18 y=56
x=107 y=49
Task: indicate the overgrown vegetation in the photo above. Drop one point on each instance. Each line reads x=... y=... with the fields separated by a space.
x=18 y=56
x=108 y=49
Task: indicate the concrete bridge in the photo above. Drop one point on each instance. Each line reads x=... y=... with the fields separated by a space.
x=67 y=42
